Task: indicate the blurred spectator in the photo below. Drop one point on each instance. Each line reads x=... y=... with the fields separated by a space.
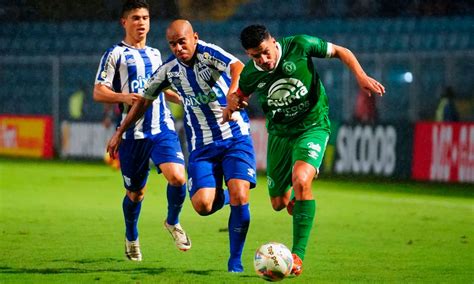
x=76 y=103
x=365 y=108
x=446 y=110
x=112 y=115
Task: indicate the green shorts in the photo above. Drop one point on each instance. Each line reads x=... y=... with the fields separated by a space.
x=283 y=152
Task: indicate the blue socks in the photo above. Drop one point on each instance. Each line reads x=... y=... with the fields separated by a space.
x=176 y=196
x=131 y=211
x=239 y=221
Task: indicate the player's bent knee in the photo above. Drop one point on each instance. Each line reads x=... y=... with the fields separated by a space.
x=177 y=180
x=136 y=196
x=202 y=208
x=239 y=198
x=277 y=204
x=278 y=207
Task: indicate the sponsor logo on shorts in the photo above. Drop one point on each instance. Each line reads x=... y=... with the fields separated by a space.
x=180 y=155
x=190 y=184
x=127 y=180
x=251 y=172
x=270 y=182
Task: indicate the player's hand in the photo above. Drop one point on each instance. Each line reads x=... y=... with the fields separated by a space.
x=227 y=115
x=370 y=86
x=114 y=142
x=234 y=103
x=131 y=98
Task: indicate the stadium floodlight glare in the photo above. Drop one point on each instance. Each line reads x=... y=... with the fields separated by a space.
x=408 y=77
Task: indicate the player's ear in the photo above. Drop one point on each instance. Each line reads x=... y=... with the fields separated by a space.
x=196 y=37
x=122 y=22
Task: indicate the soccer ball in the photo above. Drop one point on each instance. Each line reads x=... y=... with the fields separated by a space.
x=273 y=261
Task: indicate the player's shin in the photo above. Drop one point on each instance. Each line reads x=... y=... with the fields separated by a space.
x=303 y=216
x=239 y=221
x=176 y=196
x=131 y=212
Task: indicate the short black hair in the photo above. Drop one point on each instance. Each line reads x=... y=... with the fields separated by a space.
x=130 y=5
x=252 y=36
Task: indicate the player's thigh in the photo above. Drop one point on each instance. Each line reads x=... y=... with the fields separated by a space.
x=134 y=156
x=167 y=149
x=309 y=147
x=203 y=173
x=238 y=162
x=279 y=165
x=174 y=173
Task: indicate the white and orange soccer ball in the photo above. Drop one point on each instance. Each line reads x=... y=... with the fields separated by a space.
x=273 y=261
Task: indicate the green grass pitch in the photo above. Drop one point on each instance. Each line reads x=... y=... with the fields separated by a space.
x=61 y=222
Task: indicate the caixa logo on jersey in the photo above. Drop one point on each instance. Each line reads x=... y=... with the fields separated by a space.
x=366 y=149
x=138 y=84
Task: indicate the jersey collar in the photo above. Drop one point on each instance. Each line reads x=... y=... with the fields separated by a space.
x=277 y=62
x=129 y=46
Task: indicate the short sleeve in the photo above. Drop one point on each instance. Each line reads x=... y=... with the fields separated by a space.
x=314 y=46
x=215 y=56
x=156 y=84
x=107 y=67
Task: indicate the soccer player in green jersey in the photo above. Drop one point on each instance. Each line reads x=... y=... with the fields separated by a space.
x=282 y=76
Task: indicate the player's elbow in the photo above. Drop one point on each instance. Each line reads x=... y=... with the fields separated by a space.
x=97 y=95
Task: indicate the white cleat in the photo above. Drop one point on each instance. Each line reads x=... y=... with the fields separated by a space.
x=180 y=237
x=132 y=250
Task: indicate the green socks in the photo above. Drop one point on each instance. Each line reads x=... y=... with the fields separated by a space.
x=303 y=217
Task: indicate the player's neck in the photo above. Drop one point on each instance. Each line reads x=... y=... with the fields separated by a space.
x=135 y=43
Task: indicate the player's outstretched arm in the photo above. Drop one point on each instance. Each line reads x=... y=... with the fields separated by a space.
x=172 y=96
x=137 y=111
x=234 y=101
x=104 y=94
x=366 y=83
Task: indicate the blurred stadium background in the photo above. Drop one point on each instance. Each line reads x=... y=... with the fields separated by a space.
x=50 y=50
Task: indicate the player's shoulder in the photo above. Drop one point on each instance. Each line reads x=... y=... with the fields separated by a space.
x=249 y=68
x=115 y=50
x=171 y=60
x=203 y=46
x=301 y=39
x=153 y=50
x=248 y=74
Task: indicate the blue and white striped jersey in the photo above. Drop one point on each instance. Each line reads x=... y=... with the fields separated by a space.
x=202 y=88
x=126 y=69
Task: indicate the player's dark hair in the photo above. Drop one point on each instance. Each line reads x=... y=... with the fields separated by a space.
x=130 y=5
x=252 y=36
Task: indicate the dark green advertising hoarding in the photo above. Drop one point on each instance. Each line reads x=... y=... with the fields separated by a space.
x=378 y=150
